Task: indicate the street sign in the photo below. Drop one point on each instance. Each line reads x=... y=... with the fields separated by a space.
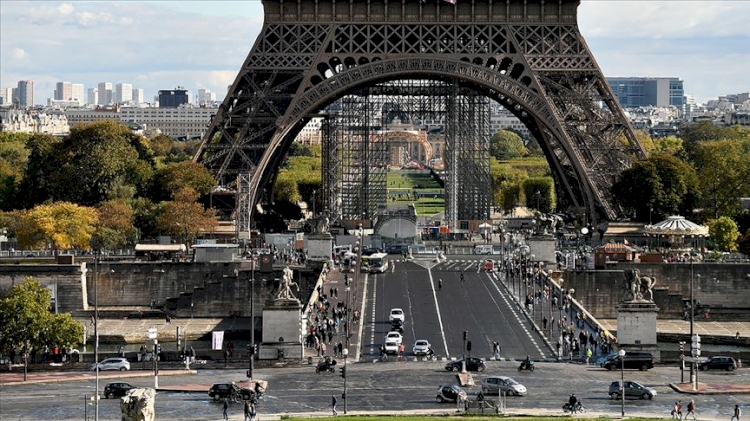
x=151 y=333
x=695 y=359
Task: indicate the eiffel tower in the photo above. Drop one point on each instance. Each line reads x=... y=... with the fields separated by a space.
x=528 y=55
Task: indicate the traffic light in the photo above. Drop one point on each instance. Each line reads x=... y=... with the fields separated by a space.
x=466 y=334
x=252 y=348
x=468 y=346
x=682 y=346
x=695 y=346
x=343 y=372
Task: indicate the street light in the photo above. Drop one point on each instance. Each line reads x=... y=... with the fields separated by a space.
x=621 y=353
x=346 y=349
x=96 y=332
x=251 y=348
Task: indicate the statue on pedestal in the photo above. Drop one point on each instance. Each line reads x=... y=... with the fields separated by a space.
x=638 y=287
x=138 y=405
x=285 y=287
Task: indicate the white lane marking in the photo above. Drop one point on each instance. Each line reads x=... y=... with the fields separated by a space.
x=437 y=307
x=361 y=320
x=372 y=313
x=515 y=314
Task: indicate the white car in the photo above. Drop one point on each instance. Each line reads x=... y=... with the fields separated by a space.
x=395 y=337
x=111 y=364
x=421 y=347
x=391 y=347
x=397 y=314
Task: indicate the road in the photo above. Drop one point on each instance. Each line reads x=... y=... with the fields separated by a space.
x=381 y=386
x=480 y=305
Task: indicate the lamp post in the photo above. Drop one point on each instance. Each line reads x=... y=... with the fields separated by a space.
x=251 y=348
x=346 y=349
x=96 y=332
x=693 y=352
x=621 y=353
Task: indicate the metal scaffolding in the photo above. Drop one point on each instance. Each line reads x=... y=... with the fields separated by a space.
x=356 y=154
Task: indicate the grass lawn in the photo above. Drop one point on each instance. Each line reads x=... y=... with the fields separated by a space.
x=403 y=182
x=461 y=417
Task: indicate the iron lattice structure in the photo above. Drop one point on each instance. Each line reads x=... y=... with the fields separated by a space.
x=357 y=146
x=528 y=55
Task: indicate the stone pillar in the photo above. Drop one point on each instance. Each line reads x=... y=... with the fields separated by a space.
x=138 y=405
x=282 y=330
x=636 y=327
x=319 y=247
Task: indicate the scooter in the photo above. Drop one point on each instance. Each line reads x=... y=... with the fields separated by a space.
x=525 y=366
x=326 y=366
x=579 y=408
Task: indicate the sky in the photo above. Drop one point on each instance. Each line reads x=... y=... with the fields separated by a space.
x=201 y=44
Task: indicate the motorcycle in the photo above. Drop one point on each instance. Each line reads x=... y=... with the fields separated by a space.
x=578 y=408
x=326 y=366
x=526 y=366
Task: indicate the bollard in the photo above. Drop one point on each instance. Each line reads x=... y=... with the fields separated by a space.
x=310 y=360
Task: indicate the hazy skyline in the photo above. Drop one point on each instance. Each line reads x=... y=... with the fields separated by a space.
x=200 y=44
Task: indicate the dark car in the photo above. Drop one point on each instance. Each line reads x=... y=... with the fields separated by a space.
x=719 y=362
x=472 y=364
x=633 y=360
x=224 y=390
x=450 y=393
x=116 y=390
x=632 y=390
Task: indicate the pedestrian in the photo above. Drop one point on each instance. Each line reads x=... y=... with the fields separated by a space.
x=225 y=410
x=588 y=356
x=333 y=405
x=401 y=350
x=675 y=410
x=691 y=409
x=736 y=414
x=250 y=411
x=544 y=323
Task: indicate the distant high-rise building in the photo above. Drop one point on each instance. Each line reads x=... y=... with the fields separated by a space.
x=63 y=91
x=25 y=93
x=205 y=97
x=6 y=95
x=646 y=91
x=173 y=98
x=92 y=96
x=123 y=93
x=104 y=93
x=138 y=96
x=78 y=93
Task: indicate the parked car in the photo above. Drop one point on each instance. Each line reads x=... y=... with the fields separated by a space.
x=719 y=362
x=472 y=364
x=450 y=393
x=111 y=364
x=223 y=390
x=495 y=385
x=116 y=390
x=600 y=361
x=632 y=390
x=421 y=347
x=394 y=336
x=397 y=314
x=633 y=360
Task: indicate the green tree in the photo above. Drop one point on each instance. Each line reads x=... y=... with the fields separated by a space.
x=61 y=225
x=171 y=178
x=724 y=233
x=42 y=160
x=540 y=194
x=95 y=159
x=657 y=187
x=161 y=144
x=185 y=218
x=668 y=145
x=706 y=131
x=724 y=173
x=115 y=228
x=25 y=317
x=507 y=145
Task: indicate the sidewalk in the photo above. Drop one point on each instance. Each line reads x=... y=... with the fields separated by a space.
x=711 y=388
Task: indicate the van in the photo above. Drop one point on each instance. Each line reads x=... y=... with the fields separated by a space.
x=633 y=360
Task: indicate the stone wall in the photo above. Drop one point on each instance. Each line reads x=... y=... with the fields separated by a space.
x=721 y=286
x=68 y=279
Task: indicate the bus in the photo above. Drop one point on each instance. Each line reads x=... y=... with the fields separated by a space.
x=375 y=263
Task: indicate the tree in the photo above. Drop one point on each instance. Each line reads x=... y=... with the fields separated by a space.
x=540 y=193
x=115 y=228
x=724 y=174
x=62 y=225
x=42 y=160
x=707 y=131
x=507 y=145
x=171 y=178
x=724 y=232
x=659 y=186
x=161 y=144
x=668 y=145
x=185 y=218
x=25 y=317
x=95 y=159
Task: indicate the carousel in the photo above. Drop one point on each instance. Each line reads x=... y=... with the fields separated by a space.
x=676 y=234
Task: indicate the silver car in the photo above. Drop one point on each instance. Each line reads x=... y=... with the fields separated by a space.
x=111 y=364
x=421 y=347
x=506 y=385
